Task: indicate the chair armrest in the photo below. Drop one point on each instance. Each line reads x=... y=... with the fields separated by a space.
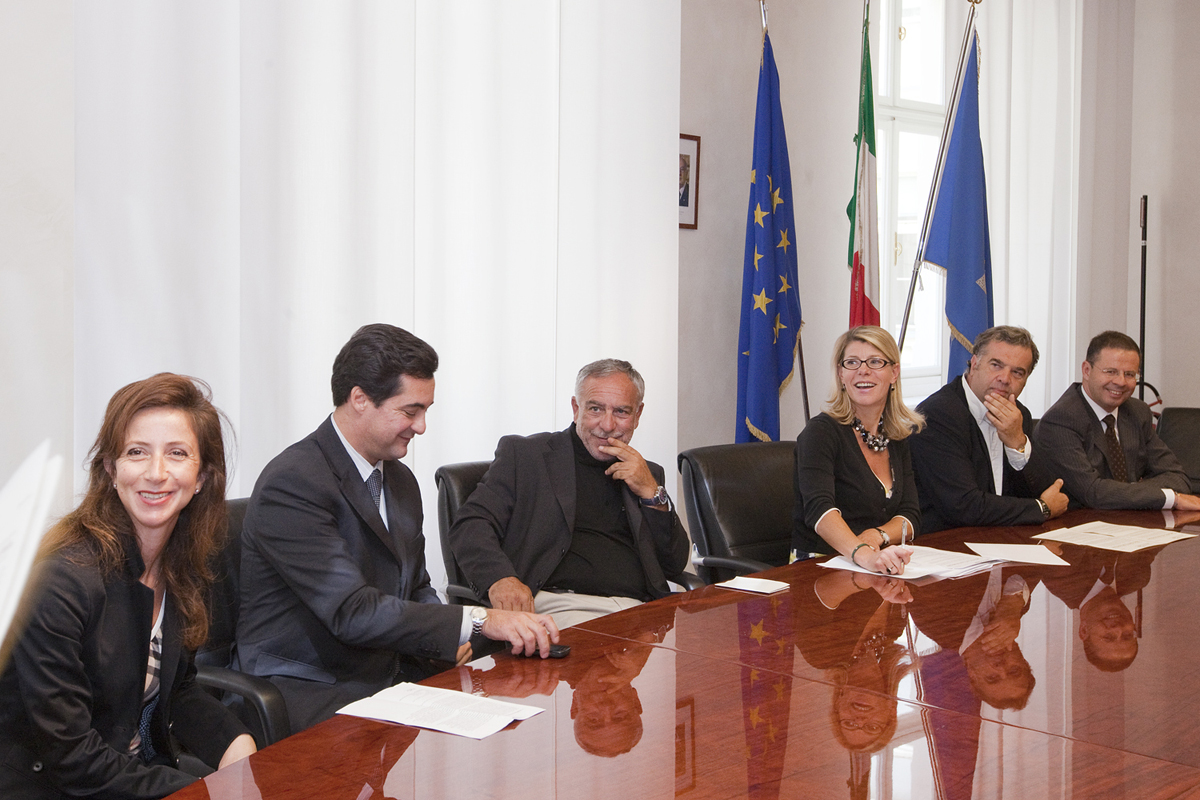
x=742 y=566
x=457 y=594
x=688 y=580
x=262 y=695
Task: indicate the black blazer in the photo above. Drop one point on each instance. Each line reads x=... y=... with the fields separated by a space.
x=518 y=521
x=1073 y=438
x=71 y=697
x=330 y=597
x=954 y=470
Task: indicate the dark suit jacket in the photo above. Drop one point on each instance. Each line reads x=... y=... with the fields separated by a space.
x=330 y=597
x=1073 y=439
x=71 y=697
x=518 y=521
x=954 y=470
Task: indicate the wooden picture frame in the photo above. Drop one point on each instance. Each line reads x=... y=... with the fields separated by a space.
x=689 y=179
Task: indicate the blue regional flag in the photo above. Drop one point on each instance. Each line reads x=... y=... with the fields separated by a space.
x=958 y=232
x=770 y=330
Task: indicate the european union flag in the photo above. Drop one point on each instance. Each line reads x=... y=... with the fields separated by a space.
x=958 y=239
x=770 y=331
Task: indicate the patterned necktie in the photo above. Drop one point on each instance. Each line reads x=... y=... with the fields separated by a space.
x=375 y=486
x=1116 y=456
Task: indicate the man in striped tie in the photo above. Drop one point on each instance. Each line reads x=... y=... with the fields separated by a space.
x=1101 y=441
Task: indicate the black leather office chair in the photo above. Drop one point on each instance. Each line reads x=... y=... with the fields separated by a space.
x=262 y=709
x=1179 y=428
x=455 y=482
x=739 y=500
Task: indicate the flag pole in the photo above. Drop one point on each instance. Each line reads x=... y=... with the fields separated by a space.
x=937 y=172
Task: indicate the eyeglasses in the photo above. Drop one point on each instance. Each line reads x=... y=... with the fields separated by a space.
x=874 y=362
x=1111 y=374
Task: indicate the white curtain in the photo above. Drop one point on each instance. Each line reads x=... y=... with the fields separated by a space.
x=1027 y=121
x=255 y=180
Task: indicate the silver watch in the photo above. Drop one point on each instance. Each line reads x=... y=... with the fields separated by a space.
x=479 y=616
x=659 y=498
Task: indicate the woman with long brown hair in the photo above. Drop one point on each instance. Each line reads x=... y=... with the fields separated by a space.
x=101 y=684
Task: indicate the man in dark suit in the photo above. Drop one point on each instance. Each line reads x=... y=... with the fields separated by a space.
x=575 y=524
x=975 y=461
x=1101 y=439
x=336 y=602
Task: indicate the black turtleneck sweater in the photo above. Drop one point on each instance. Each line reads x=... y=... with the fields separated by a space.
x=603 y=558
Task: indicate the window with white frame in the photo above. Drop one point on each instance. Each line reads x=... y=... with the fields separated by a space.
x=908 y=45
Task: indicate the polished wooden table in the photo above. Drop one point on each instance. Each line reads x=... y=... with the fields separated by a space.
x=1067 y=682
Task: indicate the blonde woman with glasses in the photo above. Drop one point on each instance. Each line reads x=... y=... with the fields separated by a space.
x=855 y=490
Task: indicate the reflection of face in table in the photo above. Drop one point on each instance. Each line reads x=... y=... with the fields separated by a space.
x=985 y=608
x=851 y=632
x=605 y=706
x=1095 y=584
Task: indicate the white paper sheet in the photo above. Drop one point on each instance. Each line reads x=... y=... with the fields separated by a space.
x=440 y=710
x=1018 y=553
x=1121 y=538
x=925 y=561
x=756 y=585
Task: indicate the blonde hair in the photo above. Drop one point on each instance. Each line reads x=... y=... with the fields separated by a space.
x=899 y=421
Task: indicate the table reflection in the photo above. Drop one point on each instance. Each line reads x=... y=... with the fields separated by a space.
x=844 y=686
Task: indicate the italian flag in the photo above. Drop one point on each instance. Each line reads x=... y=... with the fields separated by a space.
x=863 y=209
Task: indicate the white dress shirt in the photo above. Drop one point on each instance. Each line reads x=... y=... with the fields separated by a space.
x=996 y=449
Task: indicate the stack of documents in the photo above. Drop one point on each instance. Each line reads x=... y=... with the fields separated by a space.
x=1122 y=538
x=931 y=562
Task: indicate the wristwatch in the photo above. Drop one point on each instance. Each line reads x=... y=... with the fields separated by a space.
x=659 y=498
x=1045 y=508
x=479 y=616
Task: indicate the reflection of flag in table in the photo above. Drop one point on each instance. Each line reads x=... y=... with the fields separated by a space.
x=765 y=634
x=957 y=239
x=863 y=209
x=770 y=329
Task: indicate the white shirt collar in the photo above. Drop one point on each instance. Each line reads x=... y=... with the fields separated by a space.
x=1096 y=409
x=365 y=468
x=978 y=409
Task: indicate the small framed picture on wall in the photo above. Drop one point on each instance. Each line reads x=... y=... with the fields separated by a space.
x=689 y=179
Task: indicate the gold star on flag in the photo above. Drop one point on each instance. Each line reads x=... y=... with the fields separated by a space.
x=783 y=287
x=771 y=732
x=778 y=685
x=753 y=677
x=783 y=240
x=753 y=175
x=759 y=214
x=982 y=283
x=760 y=303
x=755 y=717
x=775 y=199
x=778 y=327
x=757 y=256
x=757 y=633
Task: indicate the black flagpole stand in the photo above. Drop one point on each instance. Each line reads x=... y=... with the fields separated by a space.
x=1142 y=318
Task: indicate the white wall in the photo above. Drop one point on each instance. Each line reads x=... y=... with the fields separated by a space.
x=36 y=215
x=1166 y=167
x=817 y=54
x=252 y=181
